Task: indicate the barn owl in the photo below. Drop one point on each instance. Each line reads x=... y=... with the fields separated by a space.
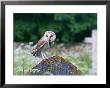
x=46 y=42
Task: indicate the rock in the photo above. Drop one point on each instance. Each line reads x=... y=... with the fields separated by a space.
x=55 y=66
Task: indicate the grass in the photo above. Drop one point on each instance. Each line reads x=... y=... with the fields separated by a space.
x=79 y=55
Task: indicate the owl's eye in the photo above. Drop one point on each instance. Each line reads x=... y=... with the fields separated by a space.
x=46 y=35
x=51 y=36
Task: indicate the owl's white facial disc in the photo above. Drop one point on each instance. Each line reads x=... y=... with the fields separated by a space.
x=50 y=37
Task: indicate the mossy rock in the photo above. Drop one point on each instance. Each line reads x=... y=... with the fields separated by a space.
x=55 y=66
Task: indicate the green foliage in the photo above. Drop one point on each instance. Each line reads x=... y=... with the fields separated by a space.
x=69 y=27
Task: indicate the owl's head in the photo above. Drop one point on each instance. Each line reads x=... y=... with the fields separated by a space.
x=50 y=37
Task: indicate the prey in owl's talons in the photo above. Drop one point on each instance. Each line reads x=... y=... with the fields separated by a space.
x=46 y=42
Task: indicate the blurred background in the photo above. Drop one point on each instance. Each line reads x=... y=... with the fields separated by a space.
x=68 y=27
x=71 y=30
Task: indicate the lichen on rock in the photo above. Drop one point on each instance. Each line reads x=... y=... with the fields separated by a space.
x=55 y=66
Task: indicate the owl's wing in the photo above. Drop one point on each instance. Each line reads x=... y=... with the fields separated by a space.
x=38 y=46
